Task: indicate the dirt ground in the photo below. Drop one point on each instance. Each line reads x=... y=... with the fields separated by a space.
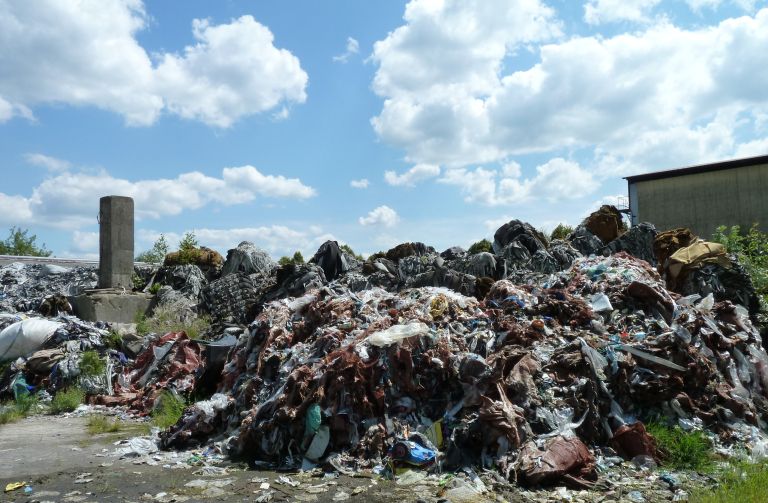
x=51 y=454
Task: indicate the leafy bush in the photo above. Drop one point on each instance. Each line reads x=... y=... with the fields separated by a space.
x=156 y=254
x=560 y=232
x=751 y=250
x=297 y=259
x=91 y=364
x=18 y=243
x=680 y=449
x=67 y=401
x=481 y=246
x=155 y=288
x=138 y=282
x=113 y=340
x=167 y=410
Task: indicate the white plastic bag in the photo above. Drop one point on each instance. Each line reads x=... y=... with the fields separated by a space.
x=600 y=302
x=25 y=337
x=396 y=334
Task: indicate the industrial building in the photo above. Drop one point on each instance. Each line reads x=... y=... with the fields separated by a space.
x=704 y=197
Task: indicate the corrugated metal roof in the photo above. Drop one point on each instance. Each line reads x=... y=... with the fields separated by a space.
x=700 y=168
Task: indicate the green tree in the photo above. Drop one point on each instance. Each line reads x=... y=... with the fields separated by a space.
x=481 y=246
x=349 y=250
x=156 y=254
x=188 y=241
x=18 y=243
x=560 y=232
x=297 y=259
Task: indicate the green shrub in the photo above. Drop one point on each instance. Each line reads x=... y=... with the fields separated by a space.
x=297 y=259
x=167 y=410
x=113 y=340
x=751 y=250
x=141 y=323
x=155 y=288
x=481 y=246
x=680 y=449
x=67 y=401
x=560 y=232
x=91 y=364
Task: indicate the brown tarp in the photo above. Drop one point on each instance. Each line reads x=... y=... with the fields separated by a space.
x=697 y=256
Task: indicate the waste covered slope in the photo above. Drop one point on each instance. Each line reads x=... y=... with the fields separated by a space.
x=542 y=360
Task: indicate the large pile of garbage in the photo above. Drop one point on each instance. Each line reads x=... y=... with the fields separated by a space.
x=543 y=360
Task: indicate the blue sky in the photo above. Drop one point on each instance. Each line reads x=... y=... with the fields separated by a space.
x=251 y=120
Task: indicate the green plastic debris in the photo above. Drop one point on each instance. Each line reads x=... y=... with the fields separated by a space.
x=313 y=419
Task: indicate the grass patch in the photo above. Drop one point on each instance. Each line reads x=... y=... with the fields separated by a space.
x=167 y=411
x=166 y=319
x=102 y=424
x=680 y=449
x=113 y=340
x=739 y=483
x=141 y=323
x=23 y=406
x=91 y=364
x=67 y=401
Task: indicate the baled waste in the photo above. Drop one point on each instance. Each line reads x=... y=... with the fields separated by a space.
x=536 y=364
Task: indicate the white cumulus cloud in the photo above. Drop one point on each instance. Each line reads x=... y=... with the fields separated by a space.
x=249 y=178
x=555 y=180
x=85 y=242
x=608 y=11
x=383 y=216
x=657 y=98
x=416 y=174
x=360 y=184
x=70 y=200
x=49 y=163
x=276 y=239
x=86 y=54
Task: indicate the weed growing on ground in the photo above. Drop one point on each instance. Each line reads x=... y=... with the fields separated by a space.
x=166 y=319
x=167 y=411
x=102 y=424
x=680 y=449
x=113 y=340
x=141 y=323
x=67 y=401
x=23 y=406
x=738 y=483
x=91 y=364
